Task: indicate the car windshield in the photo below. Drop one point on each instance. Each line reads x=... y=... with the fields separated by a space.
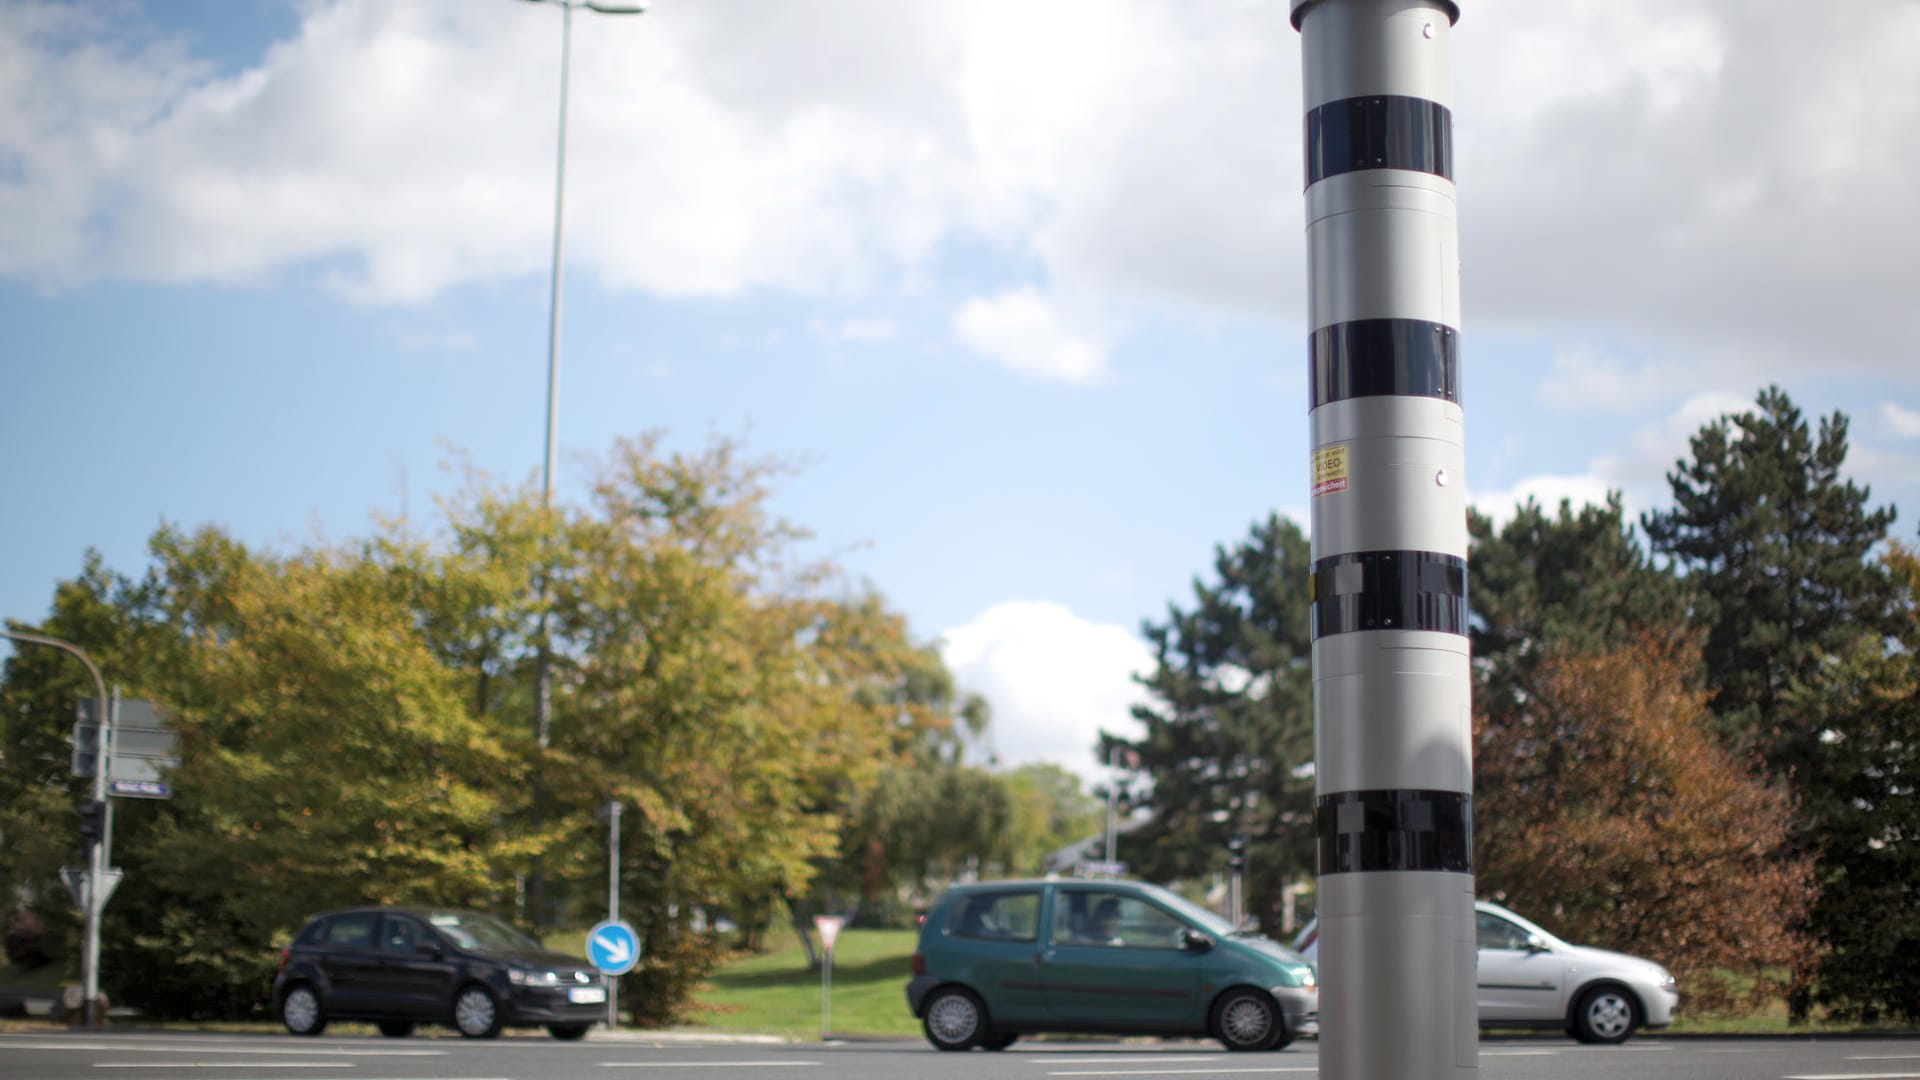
x=1192 y=912
x=480 y=931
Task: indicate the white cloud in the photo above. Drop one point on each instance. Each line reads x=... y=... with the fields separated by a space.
x=431 y=339
x=1021 y=330
x=1548 y=490
x=1729 y=164
x=1640 y=474
x=868 y=330
x=1903 y=421
x=1054 y=680
x=1587 y=379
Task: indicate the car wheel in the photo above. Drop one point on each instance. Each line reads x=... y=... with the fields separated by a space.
x=476 y=1014
x=1605 y=1014
x=568 y=1032
x=396 y=1029
x=955 y=1019
x=1000 y=1042
x=300 y=1011
x=1247 y=1019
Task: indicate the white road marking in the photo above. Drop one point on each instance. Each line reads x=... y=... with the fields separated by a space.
x=702 y=1064
x=1115 y=1058
x=223 y=1064
x=1883 y=1057
x=1854 y=1076
x=97 y=1046
x=1179 y=1071
x=1518 y=1053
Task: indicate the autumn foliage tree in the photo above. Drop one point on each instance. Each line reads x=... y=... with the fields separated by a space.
x=1607 y=809
x=355 y=724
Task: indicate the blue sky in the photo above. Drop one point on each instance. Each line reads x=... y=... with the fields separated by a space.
x=1021 y=285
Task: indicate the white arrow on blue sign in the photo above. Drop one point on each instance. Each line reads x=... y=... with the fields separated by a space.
x=613 y=947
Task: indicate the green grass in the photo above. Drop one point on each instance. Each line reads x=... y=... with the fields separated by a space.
x=776 y=993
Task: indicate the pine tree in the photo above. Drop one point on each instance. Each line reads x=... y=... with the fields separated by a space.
x=1229 y=732
x=1547 y=584
x=1780 y=546
x=1864 y=776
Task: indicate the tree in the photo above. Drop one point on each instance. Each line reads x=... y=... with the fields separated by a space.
x=1545 y=584
x=355 y=723
x=1780 y=546
x=1607 y=809
x=1229 y=732
x=38 y=793
x=1865 y=773
x=1782 y=549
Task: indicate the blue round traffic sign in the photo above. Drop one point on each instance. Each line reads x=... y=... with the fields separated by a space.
x=613 y=947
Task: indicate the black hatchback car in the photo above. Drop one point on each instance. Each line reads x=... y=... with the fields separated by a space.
x=405 y=966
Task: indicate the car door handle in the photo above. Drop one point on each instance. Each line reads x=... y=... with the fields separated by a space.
x=1045 y=954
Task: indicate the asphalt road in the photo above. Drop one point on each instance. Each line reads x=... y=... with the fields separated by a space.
x=195 y=1056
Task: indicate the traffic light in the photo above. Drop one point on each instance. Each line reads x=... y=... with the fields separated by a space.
x=93 y=821
x=1236 y=853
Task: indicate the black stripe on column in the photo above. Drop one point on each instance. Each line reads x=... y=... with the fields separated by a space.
x=1389 y=590
x=1375 y=357
x=1379 y=131
x=1398 y=829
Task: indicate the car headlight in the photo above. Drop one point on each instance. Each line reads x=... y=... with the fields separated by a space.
x=1298 y=975
x=522 y=977
x=1665 y=979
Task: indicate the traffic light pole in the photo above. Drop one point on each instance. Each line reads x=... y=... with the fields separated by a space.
x=97 y=849
x=96 y=900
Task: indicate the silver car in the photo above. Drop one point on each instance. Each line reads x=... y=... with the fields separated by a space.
x=1530 y=978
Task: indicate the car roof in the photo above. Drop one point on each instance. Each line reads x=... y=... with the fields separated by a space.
x=392 y=909
x=1022 y=883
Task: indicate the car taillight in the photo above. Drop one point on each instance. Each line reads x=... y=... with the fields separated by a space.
x=919 y=963
x=919 y=920
x=285 y=955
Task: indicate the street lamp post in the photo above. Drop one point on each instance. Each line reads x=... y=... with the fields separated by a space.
x=603 y=7
x=543 y=662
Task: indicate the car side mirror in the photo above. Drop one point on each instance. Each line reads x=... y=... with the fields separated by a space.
x=1537 y=944
x=1194 y=941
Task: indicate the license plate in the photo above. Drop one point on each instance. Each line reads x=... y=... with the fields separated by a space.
x=587 y=995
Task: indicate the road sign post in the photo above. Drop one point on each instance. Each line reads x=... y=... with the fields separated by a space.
x=829 y=927
x=613 y=903
x=614 y=948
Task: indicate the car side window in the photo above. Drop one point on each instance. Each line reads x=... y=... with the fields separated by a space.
x=1100 y=917
x=1495 y=932
x=351 y=931
x=1013 y=915
x=399 y=934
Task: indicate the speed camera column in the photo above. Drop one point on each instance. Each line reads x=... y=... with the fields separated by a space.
x=1392 y=726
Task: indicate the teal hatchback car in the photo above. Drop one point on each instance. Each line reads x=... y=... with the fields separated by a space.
x=1002 y=959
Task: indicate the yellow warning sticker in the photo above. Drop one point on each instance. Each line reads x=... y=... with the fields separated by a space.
x=1329 y=469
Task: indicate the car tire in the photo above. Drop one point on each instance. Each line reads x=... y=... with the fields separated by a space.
x=476 y=1012
x=568 y=1032
x=300 y=1010
x=955 y=1020
x=1248 y=1019
x=1605 y=1014
x=396 y=1029
x=1000 y=1041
